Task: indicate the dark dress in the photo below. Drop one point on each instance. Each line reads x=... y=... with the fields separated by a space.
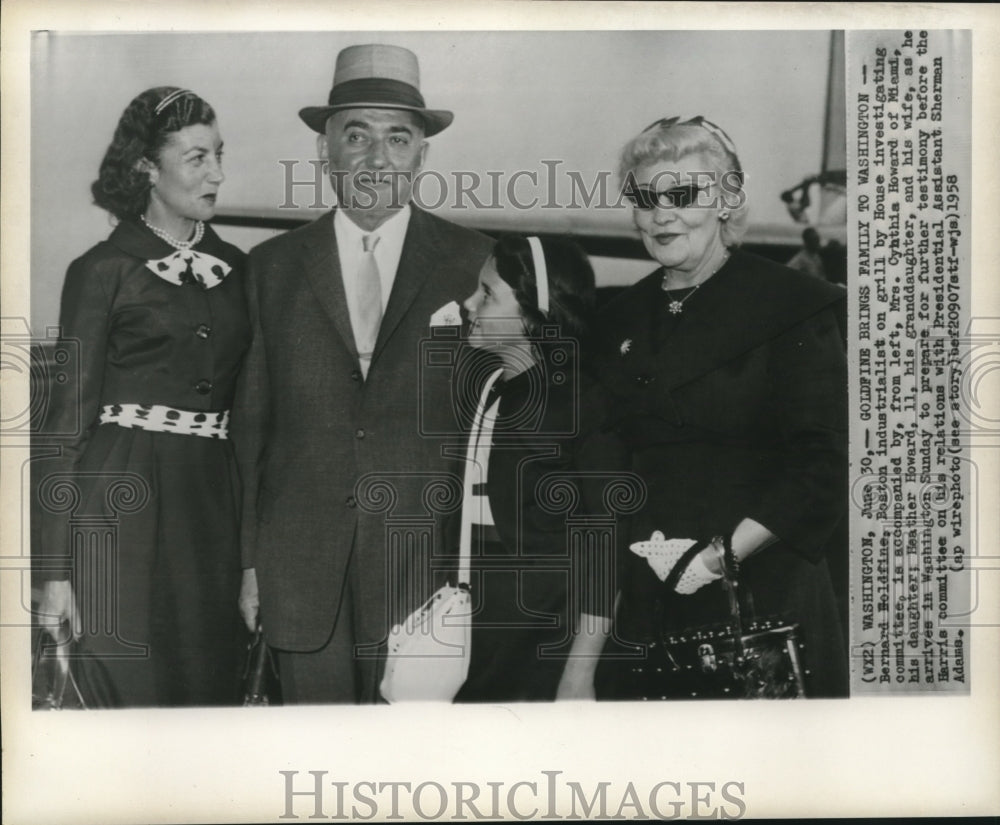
x=522 y=567
x=735 y=408
x=151 y=517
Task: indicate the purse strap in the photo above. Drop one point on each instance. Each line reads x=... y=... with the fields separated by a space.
x=476 y=465
x=730 y=582
x=681 y=565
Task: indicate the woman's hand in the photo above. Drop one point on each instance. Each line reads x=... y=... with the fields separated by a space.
x=711 y=558
x=749 y=537
x=249 y=600
x=58 y=606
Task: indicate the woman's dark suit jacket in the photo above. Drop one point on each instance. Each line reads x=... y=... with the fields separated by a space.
x=735 y=408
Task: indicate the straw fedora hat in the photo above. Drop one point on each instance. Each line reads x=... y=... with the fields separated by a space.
x=376 y=76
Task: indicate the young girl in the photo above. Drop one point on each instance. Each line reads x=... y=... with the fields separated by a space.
x=531 y=311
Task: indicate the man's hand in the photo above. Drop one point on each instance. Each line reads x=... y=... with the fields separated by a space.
x=249 y=600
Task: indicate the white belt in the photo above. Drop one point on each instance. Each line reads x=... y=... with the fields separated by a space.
x=162 y=419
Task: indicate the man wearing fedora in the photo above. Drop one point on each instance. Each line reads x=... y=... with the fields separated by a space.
x=332 y=387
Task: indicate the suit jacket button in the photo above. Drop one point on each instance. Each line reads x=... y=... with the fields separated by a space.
x=350 y=501
x=355 y=375
x=203 y=387
x=359 y=433
x=203 y=331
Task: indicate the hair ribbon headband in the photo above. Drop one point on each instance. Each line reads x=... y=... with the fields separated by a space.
x=541 y=273
x=698 y=120
x=170 y=98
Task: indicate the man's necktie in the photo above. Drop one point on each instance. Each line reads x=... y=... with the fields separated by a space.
x=369 y=303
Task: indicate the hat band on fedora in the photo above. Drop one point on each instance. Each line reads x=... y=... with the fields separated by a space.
x=376 y=90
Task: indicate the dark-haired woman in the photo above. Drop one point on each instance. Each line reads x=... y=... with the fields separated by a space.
x=159 y=315
x=531 y=310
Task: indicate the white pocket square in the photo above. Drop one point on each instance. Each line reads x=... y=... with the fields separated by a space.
x=448 y=316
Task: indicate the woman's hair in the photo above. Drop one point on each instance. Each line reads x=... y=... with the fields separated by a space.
x=672 y=141
x=570 y=280
x=122 y=186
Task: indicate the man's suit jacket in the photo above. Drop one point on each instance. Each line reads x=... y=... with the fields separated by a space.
x=307 y=428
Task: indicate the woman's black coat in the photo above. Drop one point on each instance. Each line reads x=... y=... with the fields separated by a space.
x=735 y=408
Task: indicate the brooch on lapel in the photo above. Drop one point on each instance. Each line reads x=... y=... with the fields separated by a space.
x=625 y=347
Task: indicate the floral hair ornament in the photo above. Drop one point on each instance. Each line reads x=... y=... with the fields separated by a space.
x=170 y=98
x=541 y=274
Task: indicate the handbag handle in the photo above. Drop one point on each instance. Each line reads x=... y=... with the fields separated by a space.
x=254 y=671
x=63 y=673
x=482 y=429
x=681 y=564
x=730 y=572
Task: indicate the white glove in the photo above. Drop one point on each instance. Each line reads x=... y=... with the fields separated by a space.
x=695 y=577
x=662 y=554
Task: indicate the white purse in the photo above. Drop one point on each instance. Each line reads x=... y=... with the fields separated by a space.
x=428 y=654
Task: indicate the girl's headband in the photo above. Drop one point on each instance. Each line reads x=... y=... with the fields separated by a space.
x=170 y=98
x=541 y=274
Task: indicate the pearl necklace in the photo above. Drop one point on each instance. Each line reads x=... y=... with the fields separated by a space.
x=199 y=232
x=676 y=305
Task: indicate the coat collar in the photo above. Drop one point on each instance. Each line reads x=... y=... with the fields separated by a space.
x=748 y=302
x=322 y=268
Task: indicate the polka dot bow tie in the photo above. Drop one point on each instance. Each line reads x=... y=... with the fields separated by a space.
x=188 y=267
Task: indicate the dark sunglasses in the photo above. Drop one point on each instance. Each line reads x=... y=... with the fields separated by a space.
x=677 y=197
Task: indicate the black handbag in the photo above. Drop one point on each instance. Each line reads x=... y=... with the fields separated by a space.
x=260 y=674
x=67 y=677
x=732 y=659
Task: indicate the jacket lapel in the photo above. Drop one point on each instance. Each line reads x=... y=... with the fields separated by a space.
x=414 y=266
x=321 y=265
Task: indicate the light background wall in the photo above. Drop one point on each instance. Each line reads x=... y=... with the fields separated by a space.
x=518 y=98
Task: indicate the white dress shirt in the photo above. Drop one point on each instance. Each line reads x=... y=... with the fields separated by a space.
x=350 y=250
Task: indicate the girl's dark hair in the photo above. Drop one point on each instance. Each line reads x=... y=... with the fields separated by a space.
x=122 y=188
x=571 y=284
